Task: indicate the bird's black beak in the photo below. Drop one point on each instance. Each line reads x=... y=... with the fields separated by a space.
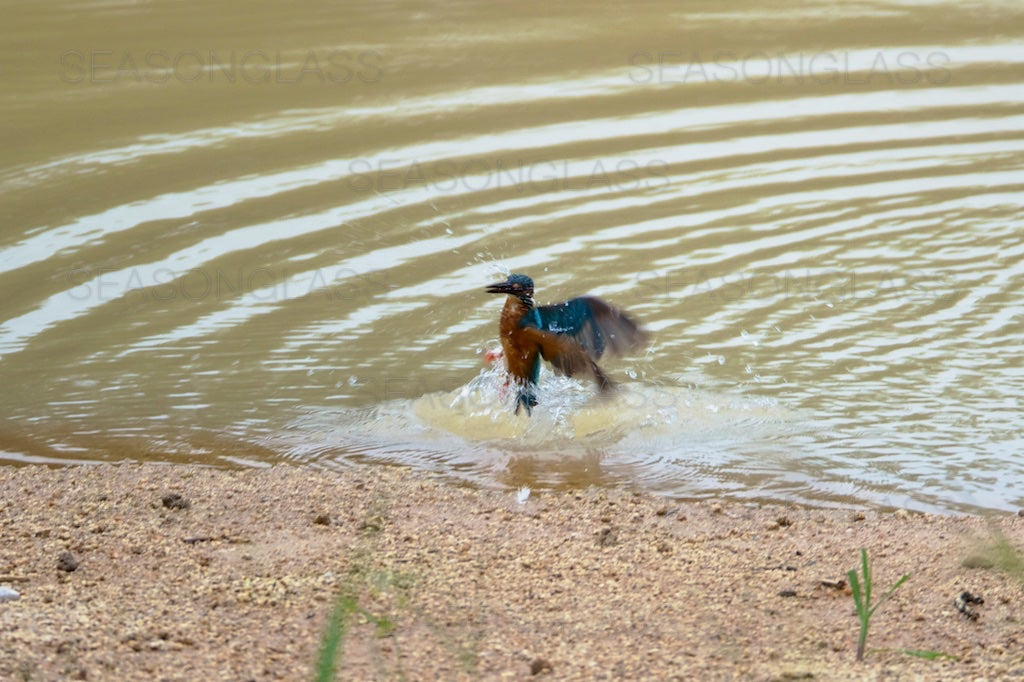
x=500 y=288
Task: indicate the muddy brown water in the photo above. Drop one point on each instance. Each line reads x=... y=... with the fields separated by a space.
x=243 y=238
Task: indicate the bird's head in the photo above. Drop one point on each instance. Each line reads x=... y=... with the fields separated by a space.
x=519 y=286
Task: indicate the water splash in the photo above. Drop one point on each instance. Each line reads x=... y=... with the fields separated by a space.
x=645 y=434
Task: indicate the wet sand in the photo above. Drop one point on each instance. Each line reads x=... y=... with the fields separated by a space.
x=189 y=573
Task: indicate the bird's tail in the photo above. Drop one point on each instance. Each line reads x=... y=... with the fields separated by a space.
x=604 y=383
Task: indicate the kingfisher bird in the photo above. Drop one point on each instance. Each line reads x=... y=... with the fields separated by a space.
x=571 y=335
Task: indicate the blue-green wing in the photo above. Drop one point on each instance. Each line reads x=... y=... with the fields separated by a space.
x=592 y=323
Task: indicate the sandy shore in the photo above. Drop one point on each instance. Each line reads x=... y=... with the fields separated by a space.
x=187 y=573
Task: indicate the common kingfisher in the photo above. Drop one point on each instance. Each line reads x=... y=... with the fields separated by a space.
x=571 y=335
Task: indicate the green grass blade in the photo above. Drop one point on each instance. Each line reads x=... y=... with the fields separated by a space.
x=862 y=613
x=855 y=589
x=327 y=661
x=866 y=572
x=929 y=655
x=889 y=593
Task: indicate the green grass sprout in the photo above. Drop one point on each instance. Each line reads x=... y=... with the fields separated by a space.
x=862 y=598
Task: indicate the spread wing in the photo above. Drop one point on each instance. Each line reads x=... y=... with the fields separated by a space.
x=573 y=335
x=590 y=322
x=567 y=356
